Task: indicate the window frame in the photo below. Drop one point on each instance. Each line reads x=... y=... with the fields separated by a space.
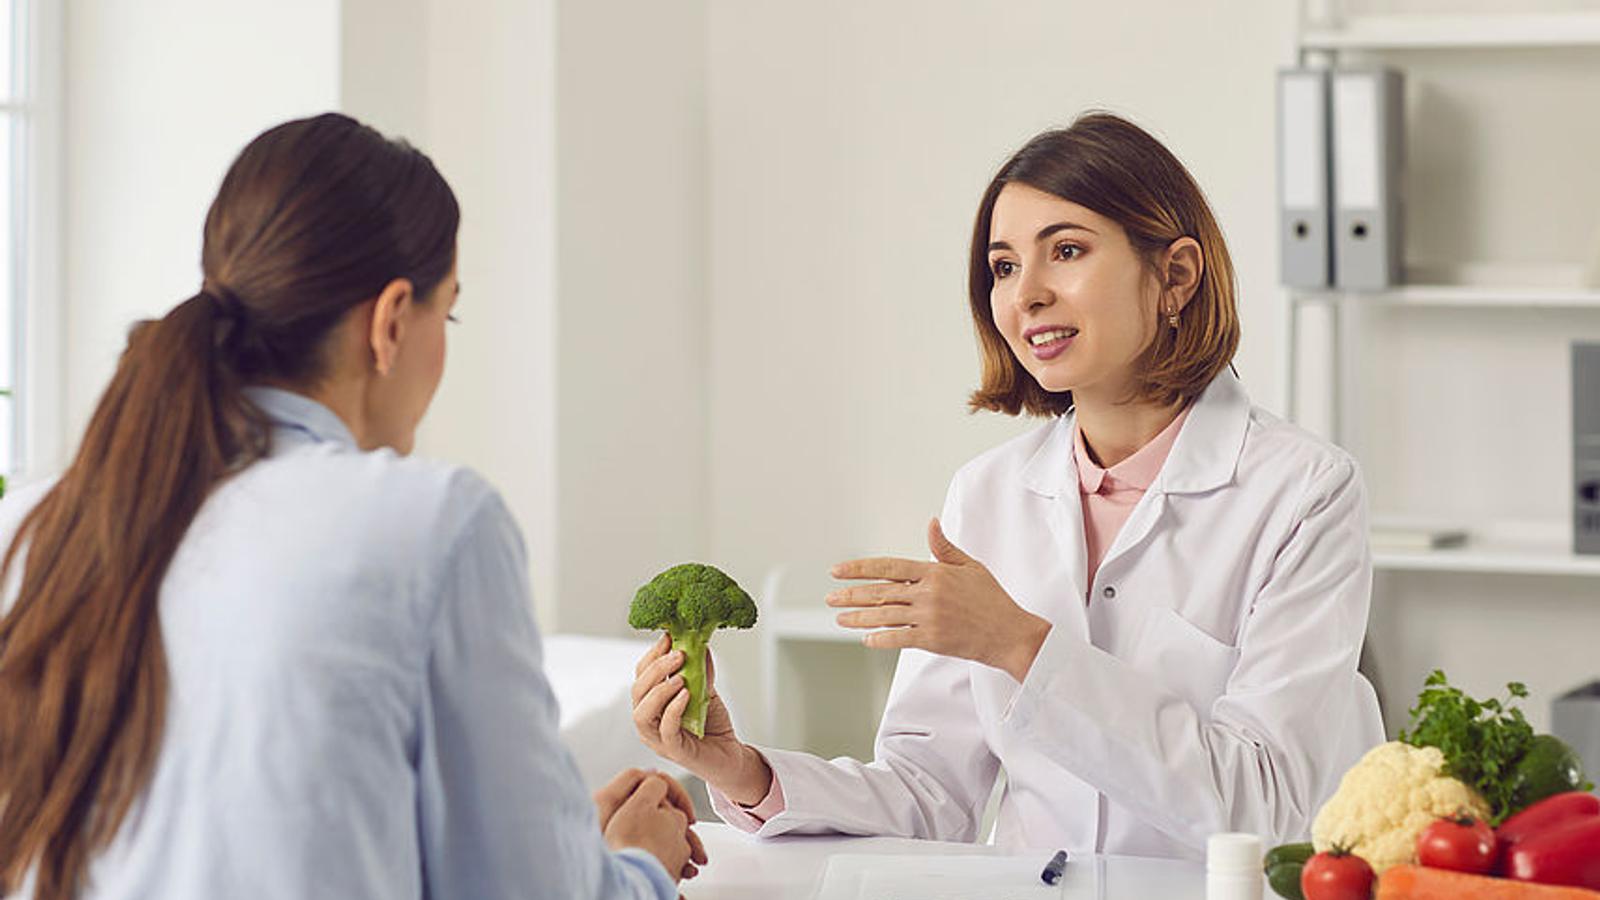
x=38 y=310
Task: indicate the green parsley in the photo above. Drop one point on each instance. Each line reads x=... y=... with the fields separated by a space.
x=1482 y=740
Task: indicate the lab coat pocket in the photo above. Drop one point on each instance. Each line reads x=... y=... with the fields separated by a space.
x=1184 y=658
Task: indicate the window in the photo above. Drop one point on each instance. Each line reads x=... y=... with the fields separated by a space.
x=13 y=172
x=30 y=57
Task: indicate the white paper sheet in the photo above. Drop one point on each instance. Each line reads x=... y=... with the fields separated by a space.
x=850 y=877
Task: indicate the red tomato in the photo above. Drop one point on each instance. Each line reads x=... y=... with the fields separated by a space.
x=1464 y=845
x=1336 y=875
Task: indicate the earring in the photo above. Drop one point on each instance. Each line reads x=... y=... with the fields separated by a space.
x=1172 y=319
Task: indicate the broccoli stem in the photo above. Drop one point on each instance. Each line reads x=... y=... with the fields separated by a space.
x=693 y=644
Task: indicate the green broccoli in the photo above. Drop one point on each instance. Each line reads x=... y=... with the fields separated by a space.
x=690 y=601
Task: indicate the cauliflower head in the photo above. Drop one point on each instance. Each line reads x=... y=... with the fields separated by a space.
x=1385 y=801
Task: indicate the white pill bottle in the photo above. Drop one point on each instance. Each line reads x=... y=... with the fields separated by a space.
x=1233 y=867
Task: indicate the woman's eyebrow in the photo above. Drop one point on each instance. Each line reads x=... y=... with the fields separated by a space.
x=1046 y=232
x=1061 y=226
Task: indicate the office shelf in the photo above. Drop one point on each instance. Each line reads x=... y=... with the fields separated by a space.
x=1501 y=548
x=1470 y=296
x=1421 y=32
x=810 y=625
x=1490 y=559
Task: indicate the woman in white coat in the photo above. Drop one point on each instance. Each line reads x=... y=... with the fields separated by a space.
x=1147 y=612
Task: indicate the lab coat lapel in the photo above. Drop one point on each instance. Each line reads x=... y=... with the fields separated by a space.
x=1206 y=454
x=1052 y=474
x=1146 y=513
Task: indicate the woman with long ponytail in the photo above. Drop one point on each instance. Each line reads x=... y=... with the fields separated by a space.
x=253 y=649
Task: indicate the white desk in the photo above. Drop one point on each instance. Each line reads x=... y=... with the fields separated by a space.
x=791 y=868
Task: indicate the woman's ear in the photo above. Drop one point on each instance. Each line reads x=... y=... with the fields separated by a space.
x=1181 y=268
x=390 y=318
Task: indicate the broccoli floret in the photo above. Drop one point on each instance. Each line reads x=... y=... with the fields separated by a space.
x=690 y=601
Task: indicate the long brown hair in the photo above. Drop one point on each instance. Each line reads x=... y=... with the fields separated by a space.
x=1109 y=165
x=314 y=218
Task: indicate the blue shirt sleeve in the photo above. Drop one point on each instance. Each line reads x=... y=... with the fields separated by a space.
x=502 y=810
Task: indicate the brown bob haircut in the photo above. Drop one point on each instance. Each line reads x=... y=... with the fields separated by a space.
x=1109 y=165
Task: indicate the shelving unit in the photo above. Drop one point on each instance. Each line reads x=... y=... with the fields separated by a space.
x=1493 y=547
x=1507 y=548
x=1455 y=32
x=799 y=633
x=810 y=625
x=1481 y=296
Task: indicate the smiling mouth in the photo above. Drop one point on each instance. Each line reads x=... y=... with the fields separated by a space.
x=1050 y=337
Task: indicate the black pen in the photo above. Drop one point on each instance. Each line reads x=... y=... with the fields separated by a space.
x=1058 y=865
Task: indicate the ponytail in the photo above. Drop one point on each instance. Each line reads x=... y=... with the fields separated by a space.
x=82 y=670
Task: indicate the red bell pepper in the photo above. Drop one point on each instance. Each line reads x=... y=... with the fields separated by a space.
x=1568 y=853
x=1551 y=812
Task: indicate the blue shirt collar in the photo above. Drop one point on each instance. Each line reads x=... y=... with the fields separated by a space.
x=301 y=414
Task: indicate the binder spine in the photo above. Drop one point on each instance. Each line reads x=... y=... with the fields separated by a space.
x=1368 y=153
x=1305 y=226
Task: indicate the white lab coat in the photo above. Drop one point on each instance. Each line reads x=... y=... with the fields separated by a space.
x=1210 y=684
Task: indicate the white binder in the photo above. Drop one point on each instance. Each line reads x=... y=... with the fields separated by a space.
x=1305 y=222
x=1368 y=152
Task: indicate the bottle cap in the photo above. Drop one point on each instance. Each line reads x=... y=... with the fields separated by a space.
x=1233 y=850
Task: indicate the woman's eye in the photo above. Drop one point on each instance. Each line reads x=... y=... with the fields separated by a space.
x=1004 y=268
x=1068 y=251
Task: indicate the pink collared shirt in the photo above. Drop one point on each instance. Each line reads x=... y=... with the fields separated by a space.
x=1109 y=495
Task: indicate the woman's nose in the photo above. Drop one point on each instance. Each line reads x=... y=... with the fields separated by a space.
x=1034 y=294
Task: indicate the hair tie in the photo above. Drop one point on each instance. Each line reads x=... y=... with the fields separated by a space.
x=225 y=302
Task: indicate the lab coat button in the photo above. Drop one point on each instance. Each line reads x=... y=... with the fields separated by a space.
x=1110 y=592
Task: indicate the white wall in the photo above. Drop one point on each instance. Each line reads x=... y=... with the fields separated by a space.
x=632 y=349
x=577 y=379
x=488 y=115
x=160 y=96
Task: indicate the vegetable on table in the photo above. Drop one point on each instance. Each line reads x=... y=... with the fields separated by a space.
x=1547 y=814
x=1283 y=865
x=1482 y=740
x=1387 y=799
x=1463 y=844
x=690 y=602
x=1421 y=883
x=1549 y=767
x=1336 y=874
x=1568 y=853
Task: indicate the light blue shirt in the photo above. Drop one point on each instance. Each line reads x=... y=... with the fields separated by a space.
x=357 y=708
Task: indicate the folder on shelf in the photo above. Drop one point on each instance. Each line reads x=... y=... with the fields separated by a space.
x=1415 y=539
x=1368 y=152
x=1586 y=448
x=1305 y=239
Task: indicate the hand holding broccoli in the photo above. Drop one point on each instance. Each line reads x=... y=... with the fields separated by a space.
x=676 y=708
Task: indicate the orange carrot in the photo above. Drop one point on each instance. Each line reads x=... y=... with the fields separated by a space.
x=1420 y=883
